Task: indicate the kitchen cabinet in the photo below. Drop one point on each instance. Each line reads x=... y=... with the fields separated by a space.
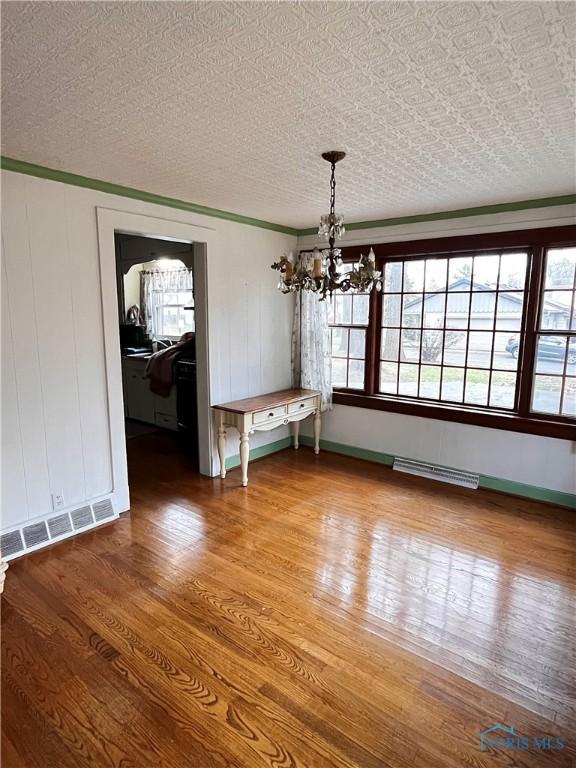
x=142 y=404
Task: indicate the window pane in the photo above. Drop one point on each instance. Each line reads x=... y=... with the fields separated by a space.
x=411 y=311
x=486 y=271
x=430 y=381
x=452 y=384
x=342 y=309
x=505 y=353
x=459 y=273
x=357 y=343
x=408 y=384
x=436 y=273
x=432 y=345
x=569 y=403
x=433 y=312
x=360 y=306
x=356 y=374
x=502 y=389
x=556 y=309
x=457 y=310
x=338 y=372
x=390 y=343
x=411 y=346
x=560 y=268
x=479 y=349
x=476 y=387
x=455 y=348
x=391 y=305
x=550 y=354
x=509 y=311
x=547 y=393
x=512 y=271
x=393 y=277
x=388 y=378
x=571 y=365
x=339 y=342
x=413 y=276
x=482 y=309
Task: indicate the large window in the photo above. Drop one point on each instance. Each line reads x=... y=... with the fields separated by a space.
x=476 y=329
x=446 y=328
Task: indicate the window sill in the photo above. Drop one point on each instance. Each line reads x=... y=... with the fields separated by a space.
x=562 y=430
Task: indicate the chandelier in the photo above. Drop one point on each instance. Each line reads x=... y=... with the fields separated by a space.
x=322 y=270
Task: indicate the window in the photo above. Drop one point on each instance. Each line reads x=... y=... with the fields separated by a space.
x=474 y=329
x=449 y=328
x=554 y=390
x=348 y=320
x=172 y=319
x=165 y=295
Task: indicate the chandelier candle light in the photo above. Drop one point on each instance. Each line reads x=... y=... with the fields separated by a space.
x=320 y=271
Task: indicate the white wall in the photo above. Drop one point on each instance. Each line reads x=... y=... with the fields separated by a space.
x=56 y=433
x=538 y=461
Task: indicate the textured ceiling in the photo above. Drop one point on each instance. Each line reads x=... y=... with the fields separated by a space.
x=438 y=105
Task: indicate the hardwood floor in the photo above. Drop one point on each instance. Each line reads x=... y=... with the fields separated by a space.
x=332 y=614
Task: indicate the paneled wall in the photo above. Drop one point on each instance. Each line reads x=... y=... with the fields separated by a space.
x=56 y=436
x=528 y=459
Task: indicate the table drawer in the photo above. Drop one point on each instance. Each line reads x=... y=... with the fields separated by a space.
x=271 y=414
x=303 y=405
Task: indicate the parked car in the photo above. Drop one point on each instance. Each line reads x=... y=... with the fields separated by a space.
x=548 y=346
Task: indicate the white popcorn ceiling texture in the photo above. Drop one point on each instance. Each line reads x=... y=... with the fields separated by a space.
x=439 y=105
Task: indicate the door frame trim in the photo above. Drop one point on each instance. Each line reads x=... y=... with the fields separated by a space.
x=110 y=221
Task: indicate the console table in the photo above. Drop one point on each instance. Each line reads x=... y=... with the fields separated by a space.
x=289 y=406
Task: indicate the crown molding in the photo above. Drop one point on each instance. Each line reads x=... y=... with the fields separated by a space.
x=20 y=166
x=31 y=169
x=461 y=213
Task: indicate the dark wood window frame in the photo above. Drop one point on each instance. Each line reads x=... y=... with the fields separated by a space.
x=535 y=242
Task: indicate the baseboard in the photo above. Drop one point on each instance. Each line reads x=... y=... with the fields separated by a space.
x=510 y=487
x=258 y=453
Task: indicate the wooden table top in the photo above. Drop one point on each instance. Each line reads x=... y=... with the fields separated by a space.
x=270 y=400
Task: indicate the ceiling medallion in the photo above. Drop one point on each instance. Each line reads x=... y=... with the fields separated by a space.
x=322 y=270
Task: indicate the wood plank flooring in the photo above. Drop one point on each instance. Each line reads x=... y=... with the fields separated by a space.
x=333 y=614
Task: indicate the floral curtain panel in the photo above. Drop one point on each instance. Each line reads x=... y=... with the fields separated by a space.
x=163 y=295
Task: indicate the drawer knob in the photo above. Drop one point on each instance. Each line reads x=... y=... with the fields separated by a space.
x=302 y=405
x=271 y=414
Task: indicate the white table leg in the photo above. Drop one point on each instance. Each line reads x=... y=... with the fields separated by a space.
x=244 y=456
x=317 y=428
x=295 y=432
x=222 y=449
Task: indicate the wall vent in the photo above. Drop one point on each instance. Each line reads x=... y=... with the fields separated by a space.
x=444 y=474
x=103 y=510
x=81 y=517
x=56 y=527
x=59 y=525
x=11 y=543
x=34 y=534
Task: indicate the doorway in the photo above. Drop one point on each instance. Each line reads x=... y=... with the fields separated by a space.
x=156 y=315
x=177 y=240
